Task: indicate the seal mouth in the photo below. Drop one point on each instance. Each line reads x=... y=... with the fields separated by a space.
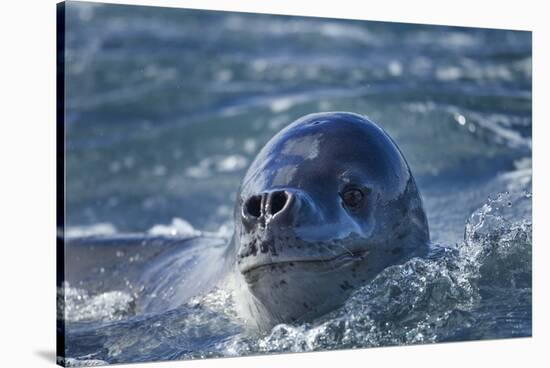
x=328 y=263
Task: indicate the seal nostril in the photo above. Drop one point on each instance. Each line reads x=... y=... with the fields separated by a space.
x=253 y=206
x=278 y=201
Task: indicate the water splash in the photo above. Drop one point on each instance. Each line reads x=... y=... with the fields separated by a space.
x=436 y=299
x=79 y=305
x=497 y=246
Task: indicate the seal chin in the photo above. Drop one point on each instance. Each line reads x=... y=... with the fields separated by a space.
x=299 y=290
x=251 y=268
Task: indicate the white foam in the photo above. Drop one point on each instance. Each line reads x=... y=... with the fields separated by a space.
x=218 y=163
x=448 y=73
x=103 y=228
x=72 y=362
x=395 y=68
x=231 y=163
x=281 y=104
x=177 y=227
x=79 y=305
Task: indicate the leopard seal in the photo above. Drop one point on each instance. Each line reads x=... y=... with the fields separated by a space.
x=327 y=204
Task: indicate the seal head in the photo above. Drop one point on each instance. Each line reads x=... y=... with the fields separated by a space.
x=327 y=204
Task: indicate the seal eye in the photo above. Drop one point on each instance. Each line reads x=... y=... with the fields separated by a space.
x=352 y=197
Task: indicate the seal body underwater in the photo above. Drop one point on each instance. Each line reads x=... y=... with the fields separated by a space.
x=327 y=204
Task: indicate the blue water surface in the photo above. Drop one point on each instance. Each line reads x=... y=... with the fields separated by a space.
x=166 y=108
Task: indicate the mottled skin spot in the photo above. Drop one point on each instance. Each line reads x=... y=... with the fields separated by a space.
x=301 y=250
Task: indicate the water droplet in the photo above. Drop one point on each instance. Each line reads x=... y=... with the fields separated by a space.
x=460 y=119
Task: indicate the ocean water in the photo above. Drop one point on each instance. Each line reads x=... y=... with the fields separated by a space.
x=166 y=108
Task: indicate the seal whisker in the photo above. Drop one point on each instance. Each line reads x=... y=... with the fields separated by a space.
x=346 y=249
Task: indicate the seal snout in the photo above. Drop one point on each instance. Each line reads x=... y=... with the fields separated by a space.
x=267 y=218
x=261 y=209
